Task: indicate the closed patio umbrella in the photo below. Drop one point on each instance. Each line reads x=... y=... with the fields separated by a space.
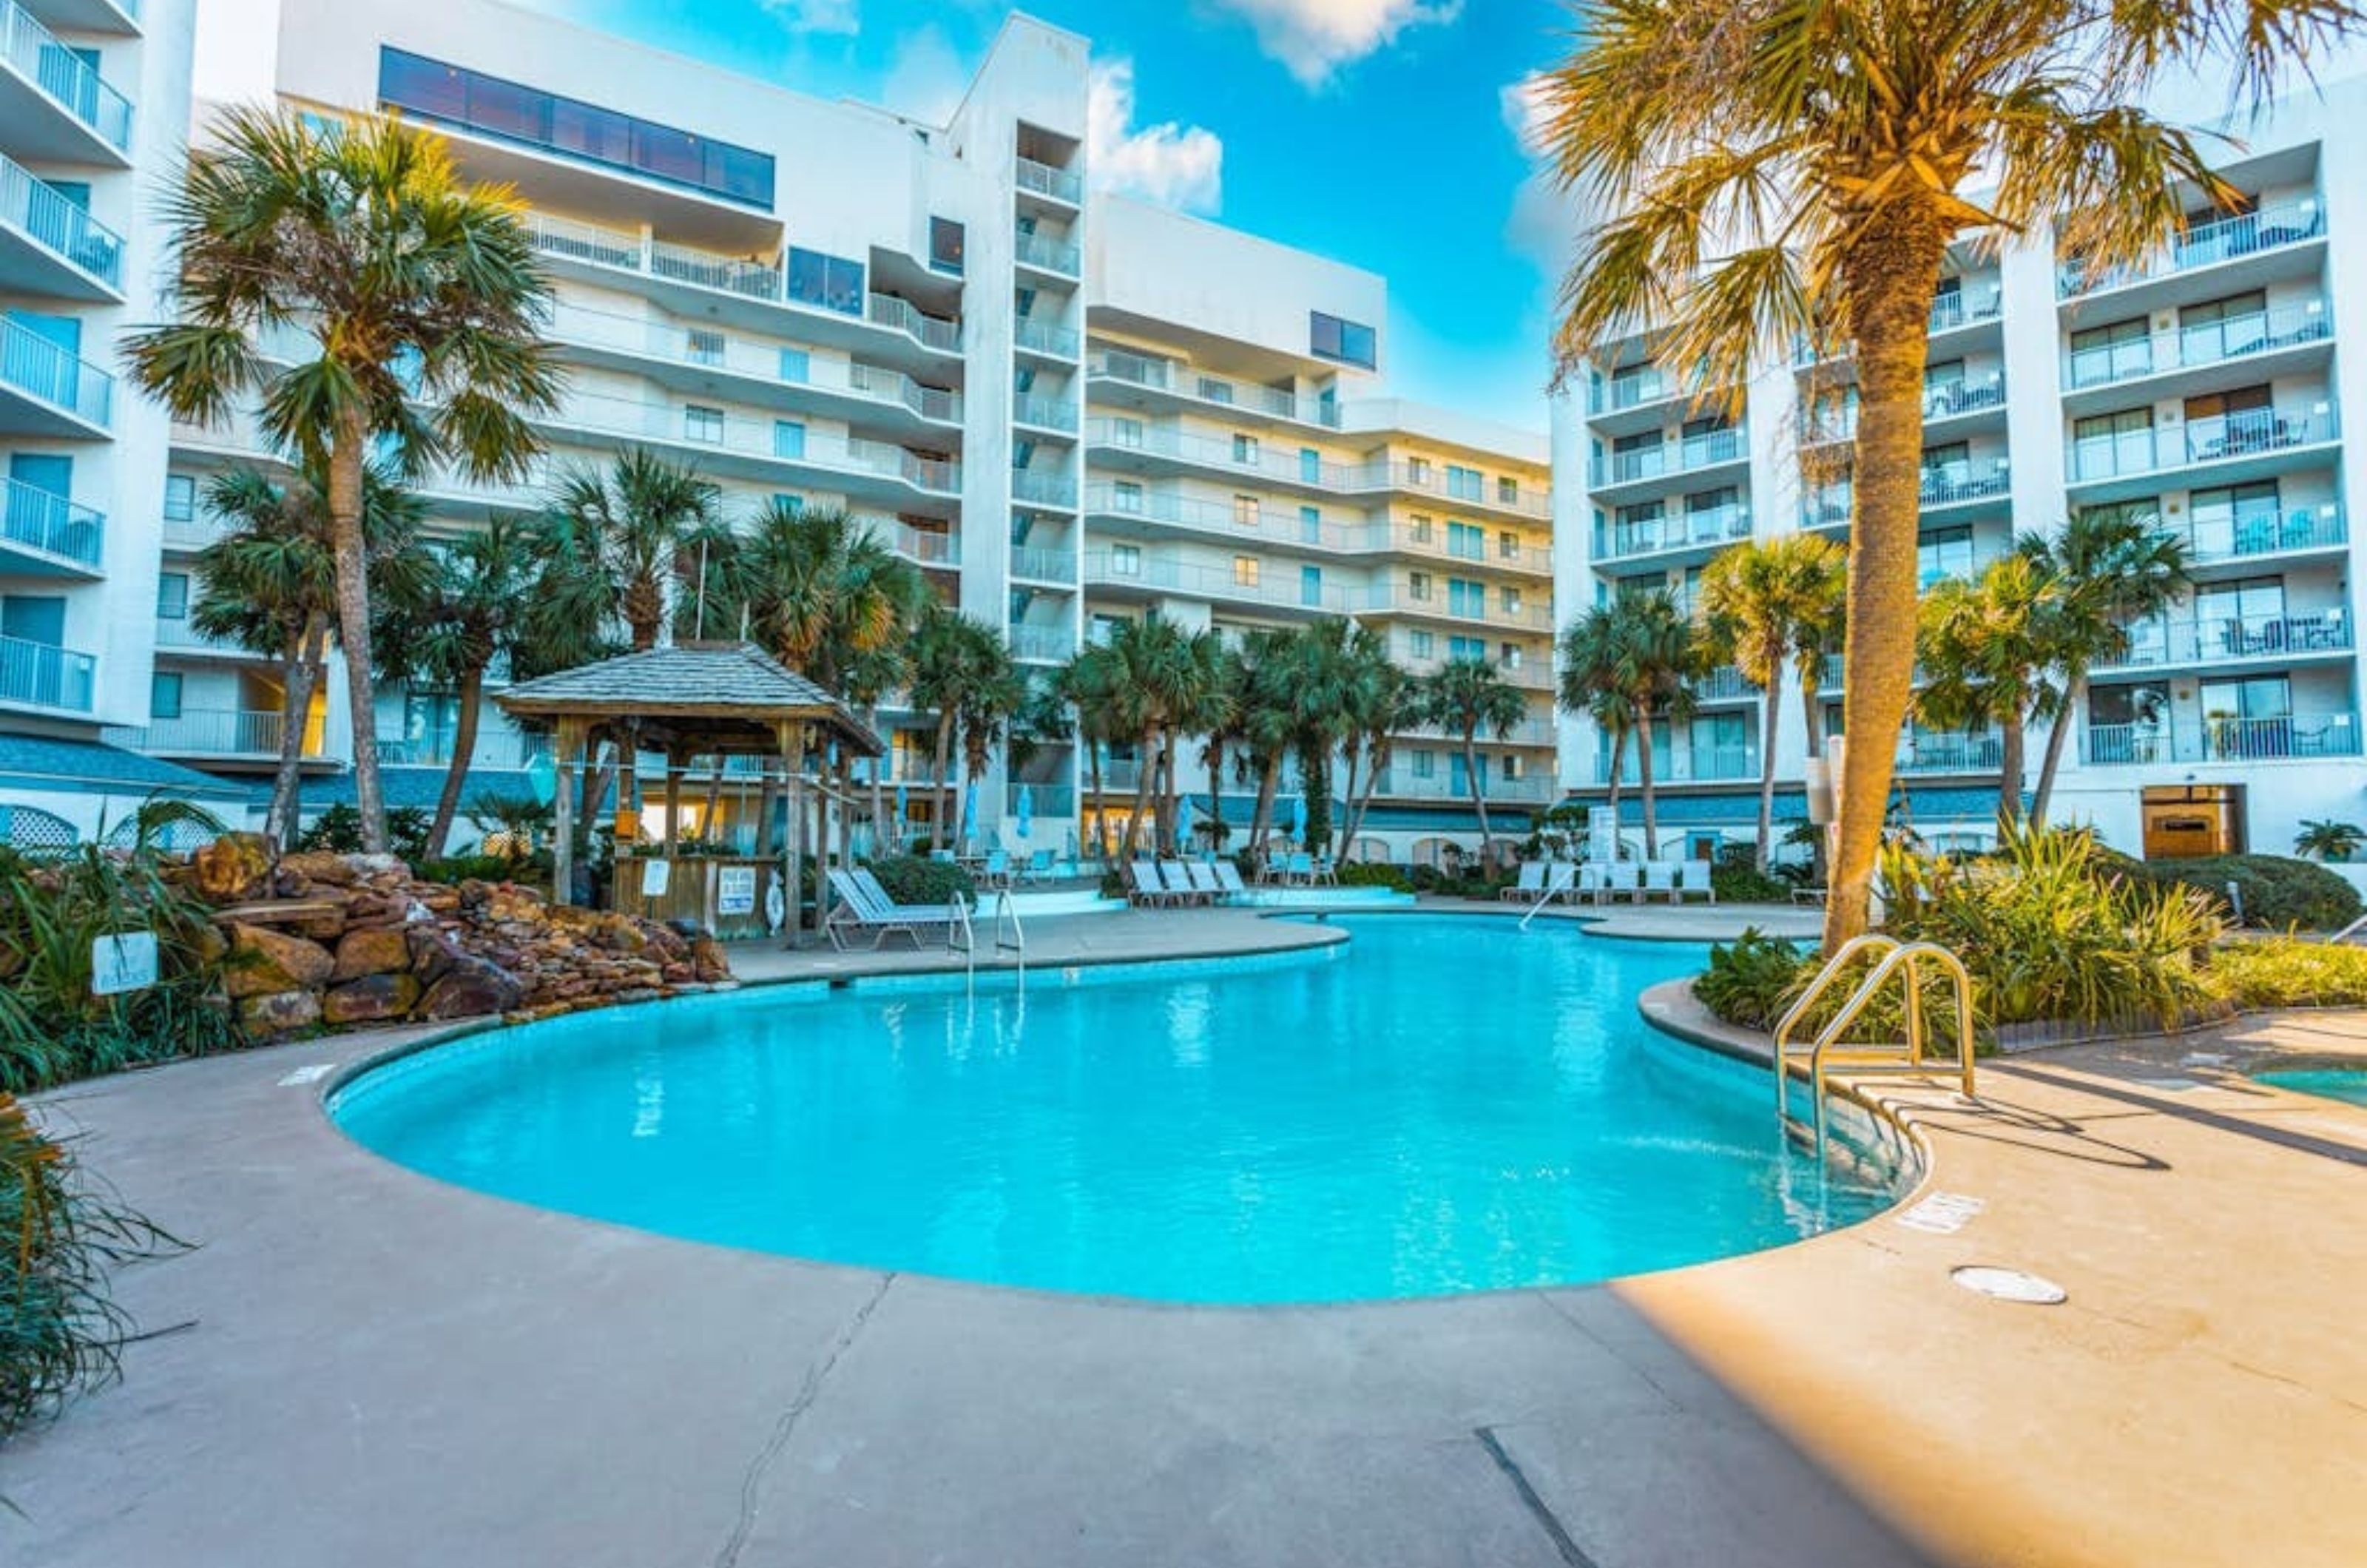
x=1298 y=818
x=1026 y=810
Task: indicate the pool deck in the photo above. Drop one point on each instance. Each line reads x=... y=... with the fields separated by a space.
x=362 y=1367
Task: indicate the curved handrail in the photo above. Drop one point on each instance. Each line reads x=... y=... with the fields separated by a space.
x=1901 y=958
x=1808 y=998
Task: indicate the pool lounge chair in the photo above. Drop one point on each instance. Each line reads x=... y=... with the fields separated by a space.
x=1620 y=880
x=1531 y=886
x=1229 y=879
x=1561 y=882
x=1143 y=887
x=1697 y=883
x=864 y=905
x=1660 y=877
x=1205 y=885
x=996 y=874
x=1178 y=881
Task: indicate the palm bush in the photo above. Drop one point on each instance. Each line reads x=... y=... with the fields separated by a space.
x=2329 y=841
x=2270 y=892
x=1752 y=979
x=58 y=1331
x=2284 y=971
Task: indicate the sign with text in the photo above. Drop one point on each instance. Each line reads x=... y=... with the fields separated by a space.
x=1602 y=833
x=657 y=876
x=124 y=961
x=735 y=890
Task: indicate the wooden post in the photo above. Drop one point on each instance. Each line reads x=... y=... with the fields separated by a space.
x=567 y=745
x=673 y=799
x=792 y=739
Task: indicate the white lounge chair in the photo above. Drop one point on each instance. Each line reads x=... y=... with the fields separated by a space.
x=1531 y=886
x=1143 y=887
x=864 y=905
x=1205 y=888
x=1229 y=879
x=1591 y=877
x=1178 y=882
x=1620 y=880
x=1660 y=877
x=1696 y=881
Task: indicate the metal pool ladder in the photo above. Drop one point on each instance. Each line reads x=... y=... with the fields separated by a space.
x=1826 y=1052
x=1010 y=936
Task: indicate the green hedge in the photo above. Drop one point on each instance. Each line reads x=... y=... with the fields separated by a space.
x=1376 y=874
x=916 y=879
x=2277 y=892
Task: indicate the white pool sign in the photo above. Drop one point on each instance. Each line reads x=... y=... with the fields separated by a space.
x=735 y=890
x=124 y=961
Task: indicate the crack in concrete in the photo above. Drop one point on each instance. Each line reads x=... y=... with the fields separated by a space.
x=1610 y=1350
x=1571 y=1553
x=752 y=1484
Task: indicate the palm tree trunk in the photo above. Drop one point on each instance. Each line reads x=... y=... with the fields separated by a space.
x=1261 y=816
x=346 y=550
x=1350 y=756
x=456 y=773
x=1889 y=275
x=1812 y=713
x=1216 y=834
x=295 y=715
x=1618 y=763
x=1146 y=771
x=2075 y=693
x=1478 y=796
x=1767 y=766
x=2010 y=771
x=1101 y=806
x=944 y=779
x=1644 y=771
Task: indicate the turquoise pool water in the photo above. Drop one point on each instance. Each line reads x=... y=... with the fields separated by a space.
x=2334 y=1083
x=1441 y=1105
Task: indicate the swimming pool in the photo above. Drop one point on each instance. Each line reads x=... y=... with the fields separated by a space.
x=1441 y=1104
x=2332 y=1083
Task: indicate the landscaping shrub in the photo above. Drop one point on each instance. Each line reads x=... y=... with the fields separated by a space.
x=2278 y=893
x=51 y=911
x=533 y=871
x=58 y=1331
x=1734 y=877
x=339 y=831
x=916 y=879
x=2282 y=972
x=1376 y=874
x=1753 y=978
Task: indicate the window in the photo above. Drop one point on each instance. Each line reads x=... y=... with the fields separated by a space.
x=164 y=695
x=1464 y=597
x=1511 y=763
x=1508 y=492
x=1245 y=572
x=1423 y=761
x=2238 y=521
x=2107 y=444
x=1509 y=598
x=1945 y=552
x=1418 y=472
x=1418 y=586
x=1508 y=655
x=180 y=497
x=1348 y=343
x=794 y=505
x=704 y=347
x=1508 y=545
x=1126 y=560
x=1311 y=524
x=1310 y=585
x=1245 y=510
x=945 y=245
x=1467 y=541
x=834 y=283
x=1422 y=530
x=1467 y=649
x=1465 y=484
x=797 y=365
x=1126 y=431
x=2225 y=424
x=2111 y=351
x=1310 y=466
x=1245 y=449
x=789 y=438
x=1420 y=645
x=1214 y=390
x=1126 y=496
x=702 y=423
x=172 y=596
x=432 y=90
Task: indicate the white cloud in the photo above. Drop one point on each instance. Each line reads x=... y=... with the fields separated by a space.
x=816 y=16
x=928 y=80
x=1524 y=106
x=1313 y=39
x=1174 y=166
x=1542 y=225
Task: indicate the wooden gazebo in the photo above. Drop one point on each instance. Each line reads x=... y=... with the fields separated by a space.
x=717 y=700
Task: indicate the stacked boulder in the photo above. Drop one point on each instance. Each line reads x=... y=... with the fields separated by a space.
x=335 y=940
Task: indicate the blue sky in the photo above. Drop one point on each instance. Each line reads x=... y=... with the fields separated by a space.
x=1379 y=131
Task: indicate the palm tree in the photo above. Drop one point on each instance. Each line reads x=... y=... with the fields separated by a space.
x=961 y=669
x=1588 y=684
x=415 y=301
x=1163 y=675
x=1763 y=604
x=614 y=547
x=1654 y=660
x=1769 y=174
x=1987 y=657
x=2109 y=570
x=1269 y=720
x=269 y=585
x=473 y=608
x=1464 y=696
x=1388 y=701
x=1089 y=684
x=824 y=592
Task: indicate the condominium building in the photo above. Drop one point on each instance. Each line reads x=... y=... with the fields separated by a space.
x=1066 y=406
x=93 y=101
x=2205 y=390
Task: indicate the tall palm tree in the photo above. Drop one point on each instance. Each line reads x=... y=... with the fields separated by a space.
x=1988 y=658
x=1464 y=696
x=824 y=592
x=1588 y=683
x=1389 y=701
x=1653 y=660
x=1762 y=603
x=962 y=671
x=1089 y=684
x=471 y=609
x=413 y=303
x=616 y=545
x=2109 y=570
x=1269 y=720
x=1770 y=172
x=269 y=585
x=1164 y=673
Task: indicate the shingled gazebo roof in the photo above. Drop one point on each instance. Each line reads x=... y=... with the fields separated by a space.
x=702 y=695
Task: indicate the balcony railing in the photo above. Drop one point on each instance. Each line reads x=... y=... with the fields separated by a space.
x=1704 y=450
x=38 y=520
x=1700 y=763
x=35 y=208
x=1482 y=609
x=2250 y=433
x=1042 y=179
x=2221 y=740
x=1930 y=752
x=1954 y=484
x=1633 y=389
x=1056 y=801
x=2205 y=245
x=2213 y=640
x=928 y=547
x=1044 y=645
x=1402 y=783
x=63 y=76
x=1165 y=375
x=1284 y=590
x=1046 y=338
x=1949 y=400
x=2206 y=342
x=504 y=752
x=216 y=732
x=1045 y=489
x=2241 y=534
x=1723 y=684
x=1963 y=307
x=45 y=676
x=1045 y=413
x=32 y=365
x=750 y=437
x=941 y=333
x=1039 y=564
x=1048 y=255
x=1673 y=531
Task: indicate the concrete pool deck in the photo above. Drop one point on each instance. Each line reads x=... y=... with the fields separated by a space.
x=379 y=1370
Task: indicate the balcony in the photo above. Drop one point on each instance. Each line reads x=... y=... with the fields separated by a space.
x=1681 y=765
x=925 y=546
x=1668 y=458
x=500 y=753
x=1714 y=527
x=868 y=471
x=1037 y=564
x=1401 y=783
x=1050 y=339
x=43 y=535
x=1042 y=645
x=2206 y=244
x=1045 y=413
x=53 y=104
x=1057 y=802
x=1957 y=399
x=2253 y=442
x=2155 y=645
x=1042 y=179
x=2203 y=344
x=177 y=637
x=2301 y=737
x=216 y=734
x=1965 y=308
x=49 y=245
x=1961 y=483
x=1404 y=599
x=1925 y=752
x=1723 y=684
x=1530 y=675
x=1043 y=254
x=47 y=391
x=1201 y=389
x=2247 y=534
x=39 y=674
x=1044 y=489
x=1149 y=575
x=1428 y=478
